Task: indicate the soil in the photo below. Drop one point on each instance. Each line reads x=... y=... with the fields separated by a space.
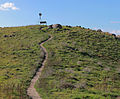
x=31 y=91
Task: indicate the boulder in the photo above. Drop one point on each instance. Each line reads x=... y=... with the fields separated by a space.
x=78 y=26
x=57 y=26
x=99 y=30
x=114 y=35
x=50 y=27
x=68 y=26
x=5 y=35
x=118 y=37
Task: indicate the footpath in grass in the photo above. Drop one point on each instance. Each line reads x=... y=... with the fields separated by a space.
x=20 y=57
x=82 y=64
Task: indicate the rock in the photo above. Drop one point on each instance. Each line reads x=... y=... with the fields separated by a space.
x=5 y=35
x=9 y=35
x=57 y=26
x=50 y=27
x=66 y=29
x=17 y=69
x=40 y=28
x=12 y=35
x=114 y=35
x=118 y=37
x=99 y=30
x=30 y=27
x=68 y=26
x=78 y=26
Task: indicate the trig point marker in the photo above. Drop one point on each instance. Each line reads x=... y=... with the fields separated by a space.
x=42 y=22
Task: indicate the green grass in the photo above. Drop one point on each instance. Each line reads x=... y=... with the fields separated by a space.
x=82 y=64
x=20 y=56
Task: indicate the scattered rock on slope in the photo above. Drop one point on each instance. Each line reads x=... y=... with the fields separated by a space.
x=99 y=30
x=118 y=37
x=5 y=35
x=54 y=26
x=50 y=27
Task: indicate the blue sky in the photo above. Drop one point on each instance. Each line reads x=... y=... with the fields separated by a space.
x=94 y=14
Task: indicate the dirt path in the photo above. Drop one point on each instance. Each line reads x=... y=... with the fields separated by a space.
x=31 y=91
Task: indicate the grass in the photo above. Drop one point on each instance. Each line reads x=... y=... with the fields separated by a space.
x=82 y=64
x=20 y=56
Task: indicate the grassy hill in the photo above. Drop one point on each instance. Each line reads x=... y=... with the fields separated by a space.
x=20 y=56
x=82 y=63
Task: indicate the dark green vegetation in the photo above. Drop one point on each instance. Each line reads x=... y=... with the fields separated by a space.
x=82 y=64
x=20 y=56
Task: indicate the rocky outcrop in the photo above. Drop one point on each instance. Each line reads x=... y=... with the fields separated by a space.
x=55 y=26
x=68 y=26
x=50 y=27
x=99 y=30
x=118 y=37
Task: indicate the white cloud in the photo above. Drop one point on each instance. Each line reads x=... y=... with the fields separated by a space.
x=8 y=6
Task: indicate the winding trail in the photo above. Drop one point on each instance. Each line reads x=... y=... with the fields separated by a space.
x=31 y=91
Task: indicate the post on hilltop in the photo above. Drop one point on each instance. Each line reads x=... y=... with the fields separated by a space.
x=40 y=14
x=42 y=22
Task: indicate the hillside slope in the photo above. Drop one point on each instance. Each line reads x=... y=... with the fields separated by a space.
x=20 y=56
x=82 y=64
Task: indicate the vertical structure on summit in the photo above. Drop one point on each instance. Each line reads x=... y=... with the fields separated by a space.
x=40 y=14
x=42 y=22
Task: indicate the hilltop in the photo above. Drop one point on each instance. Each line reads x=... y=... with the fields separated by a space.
x=82 y=63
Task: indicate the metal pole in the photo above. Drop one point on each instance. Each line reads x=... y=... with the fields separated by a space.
x=40 y=14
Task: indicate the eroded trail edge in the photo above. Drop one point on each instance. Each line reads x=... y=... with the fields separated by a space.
x=31 y=91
